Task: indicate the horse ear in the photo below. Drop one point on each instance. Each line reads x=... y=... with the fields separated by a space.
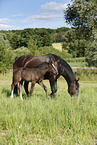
x=59 y=63
x=77 y=79
x=50 y=61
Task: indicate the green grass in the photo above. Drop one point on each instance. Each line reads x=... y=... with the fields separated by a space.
x=38 y=120
x=77 y=62
x=74 y=62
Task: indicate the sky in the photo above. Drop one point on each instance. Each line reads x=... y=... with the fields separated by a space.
x=21 y=14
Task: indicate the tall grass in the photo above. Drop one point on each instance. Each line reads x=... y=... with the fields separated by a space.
x=39 y=120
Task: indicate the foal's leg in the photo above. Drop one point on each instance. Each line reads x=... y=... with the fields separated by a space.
x=32 y=88
x=21 y=91
x=44 y=87
x=12 y=90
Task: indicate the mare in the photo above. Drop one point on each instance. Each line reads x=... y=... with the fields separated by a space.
x=64 y=69
x=33 y=75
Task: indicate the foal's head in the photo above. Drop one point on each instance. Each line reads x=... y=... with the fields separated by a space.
x=53 y=67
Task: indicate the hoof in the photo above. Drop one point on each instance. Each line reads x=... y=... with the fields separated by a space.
x=52 y=95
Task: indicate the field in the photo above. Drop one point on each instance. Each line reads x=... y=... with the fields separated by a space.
x=57 y=46
x=55 y=121
x=74 y=62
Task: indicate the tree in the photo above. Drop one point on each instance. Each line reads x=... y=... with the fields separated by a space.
x=91 y=51
x=43 y=37
x=92 y=54
x=32 y=46
x=75 y=46
x=82 y=15
x=5 y=53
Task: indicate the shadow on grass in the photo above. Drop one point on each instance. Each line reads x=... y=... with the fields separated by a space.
x=7 y=92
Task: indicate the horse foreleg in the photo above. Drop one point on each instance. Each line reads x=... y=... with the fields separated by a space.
x=32 y=88
x=53 y=84
x=21 y=92
x=44 y=87
x=16 y=90
x=26 y=87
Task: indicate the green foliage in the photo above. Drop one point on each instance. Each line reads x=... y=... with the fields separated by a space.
x=74 y=45
x=46 y=50
x=87 y=74
x=77 y=62
x=21 y=38
x=15 y=41
x=32 y=46
x=5 y=58
x=81 y=14
x=92 y=54
x=43 y=37
x=38 y=120
x=21 y=51
x=5 y=53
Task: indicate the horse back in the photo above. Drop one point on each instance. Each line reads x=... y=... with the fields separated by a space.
x=29 y=61
x=35 y=61
x=21 y=61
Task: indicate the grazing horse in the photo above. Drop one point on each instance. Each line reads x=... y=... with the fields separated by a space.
x=64 y=69
x=33 y=75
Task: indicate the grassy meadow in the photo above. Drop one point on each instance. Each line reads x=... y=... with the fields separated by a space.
x=55 y=121
x=57 y=46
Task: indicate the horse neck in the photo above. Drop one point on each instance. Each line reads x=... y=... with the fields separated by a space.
x=67 y=73
x=69 y=79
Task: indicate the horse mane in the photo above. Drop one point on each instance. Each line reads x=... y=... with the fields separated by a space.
x=55 y=56
x=66 y=70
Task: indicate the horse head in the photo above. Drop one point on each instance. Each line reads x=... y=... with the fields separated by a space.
x=73 y=88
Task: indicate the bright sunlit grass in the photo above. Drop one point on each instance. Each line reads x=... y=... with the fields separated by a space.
x=57 y=46
x=39 y=120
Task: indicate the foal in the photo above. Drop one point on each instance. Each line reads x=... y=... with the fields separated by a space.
x=33 y=75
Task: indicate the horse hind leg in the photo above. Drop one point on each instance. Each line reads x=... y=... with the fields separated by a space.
x=44 y=87
x=32 y=88
x=26 y=87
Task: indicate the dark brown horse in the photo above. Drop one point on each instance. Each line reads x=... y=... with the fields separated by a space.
x=33 y=75
x=64 y=69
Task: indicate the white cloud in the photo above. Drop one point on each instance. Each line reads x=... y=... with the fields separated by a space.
x=45 y=16
x=3 y=26
x=54 y=6
x=17 y=15
x=5 y=21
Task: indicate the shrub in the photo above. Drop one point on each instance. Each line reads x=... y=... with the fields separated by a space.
x=46 y=50
x=92 y=54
